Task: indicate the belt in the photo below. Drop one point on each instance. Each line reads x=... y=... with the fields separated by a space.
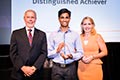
x=63 y=65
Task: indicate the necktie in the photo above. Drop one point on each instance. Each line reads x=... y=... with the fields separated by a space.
x=30 y=37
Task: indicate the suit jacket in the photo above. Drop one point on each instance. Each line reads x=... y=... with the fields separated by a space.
x=21 y=53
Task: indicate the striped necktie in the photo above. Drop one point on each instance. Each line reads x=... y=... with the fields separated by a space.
x=30 y=37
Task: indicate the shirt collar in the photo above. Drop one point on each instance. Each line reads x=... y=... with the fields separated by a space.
x=30 y=28
x=32 y=32
x=59 y=30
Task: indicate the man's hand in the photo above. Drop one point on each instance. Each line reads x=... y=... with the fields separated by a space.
x=60 y=46
x=28 y=70
x=67 y=56
x=70 y=56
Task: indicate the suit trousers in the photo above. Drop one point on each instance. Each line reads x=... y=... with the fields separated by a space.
x=68 y=72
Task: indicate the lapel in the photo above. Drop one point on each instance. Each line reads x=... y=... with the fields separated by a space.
x=35 y=37
x=24 y=37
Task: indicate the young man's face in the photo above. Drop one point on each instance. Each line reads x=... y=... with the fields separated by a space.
x=64 y=20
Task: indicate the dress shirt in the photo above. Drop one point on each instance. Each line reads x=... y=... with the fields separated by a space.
x=32 y=32
x=72 y=41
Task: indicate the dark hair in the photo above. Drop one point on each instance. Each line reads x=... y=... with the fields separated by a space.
x=64 y=10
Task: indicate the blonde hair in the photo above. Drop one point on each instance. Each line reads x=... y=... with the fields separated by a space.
x=93 y=32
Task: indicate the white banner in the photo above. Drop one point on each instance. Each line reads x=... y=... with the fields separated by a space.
x=104 y=12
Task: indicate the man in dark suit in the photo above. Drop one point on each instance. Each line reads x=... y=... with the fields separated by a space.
x=28 y=58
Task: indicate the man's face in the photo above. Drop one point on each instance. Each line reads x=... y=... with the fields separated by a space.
x=30 y=19
x=64 y=20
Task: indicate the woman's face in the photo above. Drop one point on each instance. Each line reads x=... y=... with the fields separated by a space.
x=87 y=26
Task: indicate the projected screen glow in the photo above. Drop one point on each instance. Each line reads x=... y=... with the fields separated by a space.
x=104 y=12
